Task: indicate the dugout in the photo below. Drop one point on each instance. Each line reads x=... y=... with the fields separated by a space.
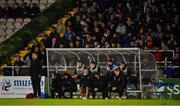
x=140 y=62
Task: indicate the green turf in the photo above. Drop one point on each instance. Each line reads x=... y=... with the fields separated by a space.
x=85 y=102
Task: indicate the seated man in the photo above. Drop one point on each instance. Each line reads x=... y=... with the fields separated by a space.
x=68 y=85
x=79 y=70
x=85 y=82
x=103 y=83
x=95 y=72
x=56 y=85
x=118 y=82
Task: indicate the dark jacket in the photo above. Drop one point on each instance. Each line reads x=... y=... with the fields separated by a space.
x=103 y=83
x=69 y=84
x=57 y=83
x=118 y=81
x=35 y=68
x=85 y=80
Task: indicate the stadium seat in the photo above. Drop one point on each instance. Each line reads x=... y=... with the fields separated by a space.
x=42 y=7
x=23 y=24
x=19 y=1
x=26 y=20
x=2 y=1
x=3 y=26
x=48 y=5
x=22 y=53
x=1 y=40
x=10 y=2
x=72 y=12
x=19 y=20
x=10 y=26
x=10 y=20
x=2 y=33
x=9 y=32
x=2 y=20
x=51 y=1
x=15 y=30
x=43 y=2
x=18 y=26
x=35 y=1
x=27 y=1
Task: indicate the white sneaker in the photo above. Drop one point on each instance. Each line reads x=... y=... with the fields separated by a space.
x=123 y=97
x=106 y=98
x=84 y=98
x=119 y=99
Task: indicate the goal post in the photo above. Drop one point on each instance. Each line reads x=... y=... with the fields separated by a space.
x=141 y=63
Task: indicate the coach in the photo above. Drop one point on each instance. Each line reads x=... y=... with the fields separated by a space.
x=35 y=69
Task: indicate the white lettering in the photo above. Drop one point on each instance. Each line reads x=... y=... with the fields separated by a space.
x=176 y=89
x=170 y=90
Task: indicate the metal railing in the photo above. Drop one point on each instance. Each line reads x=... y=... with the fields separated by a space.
x=163 y=63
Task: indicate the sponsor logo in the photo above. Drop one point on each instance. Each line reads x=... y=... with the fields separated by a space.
x=6 y=84
x=24 y=83
x=168 y=87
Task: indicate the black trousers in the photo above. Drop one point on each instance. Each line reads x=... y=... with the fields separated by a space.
x=119 y=91
x=104 y=90
x=105 y=93
x=36 y=86
x=53 y=91
x=70 y=92
x=92 y=92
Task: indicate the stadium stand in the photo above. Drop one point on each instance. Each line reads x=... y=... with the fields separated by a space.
x=118 y=24
x=123 y=24
x=152 y=25
x=14 y=14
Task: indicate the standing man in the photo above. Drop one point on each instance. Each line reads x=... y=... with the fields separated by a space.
x=110 y=67
x=35 y=69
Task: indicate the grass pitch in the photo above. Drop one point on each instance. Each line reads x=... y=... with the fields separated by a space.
x=69 y=102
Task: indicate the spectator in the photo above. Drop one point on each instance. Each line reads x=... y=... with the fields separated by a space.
x=10 y=13
x=149 y=42
x=3 y=11
x=121 y=29
x=63 y=40
x=18 y=11
x=157 y=55
x=69 y=34
x=26 y=10
x=169 y=71
x=35 y=10
x=176 y=60
x=18 y=63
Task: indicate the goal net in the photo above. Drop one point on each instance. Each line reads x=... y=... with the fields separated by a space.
x=141 y=64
